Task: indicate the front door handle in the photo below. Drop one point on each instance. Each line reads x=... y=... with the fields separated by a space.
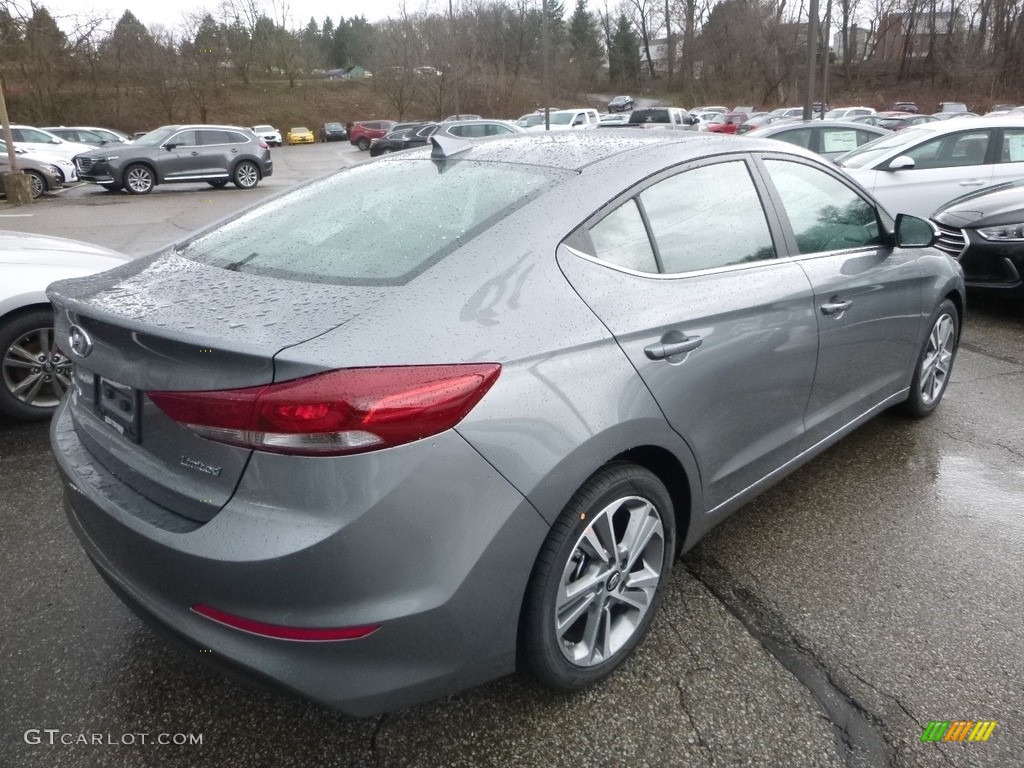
x=835 y=307
x=666 y=349
x=972 y=183
x=195 y=154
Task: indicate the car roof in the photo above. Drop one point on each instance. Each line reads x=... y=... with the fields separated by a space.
x=780 y=126
x=576 y=150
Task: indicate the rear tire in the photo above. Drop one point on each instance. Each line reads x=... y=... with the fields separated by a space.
x=598 y=580
x=935 y=363
x=246 y=175
x=34 y=374
x=363 y=143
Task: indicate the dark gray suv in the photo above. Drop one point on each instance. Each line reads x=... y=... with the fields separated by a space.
x=215 y=154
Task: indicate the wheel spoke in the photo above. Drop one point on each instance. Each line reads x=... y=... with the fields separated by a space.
x=16 y=351
x=573 y=590
x=61 y=384
x=44 y=341
x=605 y=635
x=634 y=598
x=565 y=619
x=643 y=526
x=27 y=390
x=10 y=362
x=592 y=632
x=593 y=546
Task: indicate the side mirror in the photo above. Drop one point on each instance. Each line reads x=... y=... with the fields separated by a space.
x=913 y=232
x=901 y=163
x=170 y=147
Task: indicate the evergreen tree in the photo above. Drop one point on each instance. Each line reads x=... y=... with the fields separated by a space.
x=585 y=49
x=624 y=55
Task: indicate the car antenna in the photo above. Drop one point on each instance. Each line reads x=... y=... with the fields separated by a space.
x=447 y=146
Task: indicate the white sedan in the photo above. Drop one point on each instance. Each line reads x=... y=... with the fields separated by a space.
x=44 y=142
x=918 y=169
x=34 y=372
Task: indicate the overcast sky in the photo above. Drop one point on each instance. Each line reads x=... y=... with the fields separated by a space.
x=170 y=13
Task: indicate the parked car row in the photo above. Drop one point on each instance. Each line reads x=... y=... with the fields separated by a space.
x=410 y=135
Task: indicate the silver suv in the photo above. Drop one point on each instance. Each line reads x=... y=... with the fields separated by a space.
x=215 y=154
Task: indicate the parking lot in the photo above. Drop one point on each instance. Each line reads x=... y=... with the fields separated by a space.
x=875 y=590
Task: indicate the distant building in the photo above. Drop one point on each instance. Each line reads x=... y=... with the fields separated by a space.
x=862 y=43
x=915 y=35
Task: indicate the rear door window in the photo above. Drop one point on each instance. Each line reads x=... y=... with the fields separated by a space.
x=702 y=218
x=708 y=217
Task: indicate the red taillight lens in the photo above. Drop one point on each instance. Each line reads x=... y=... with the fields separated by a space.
x=338 y=412
x=282 y=632
x=264 y=145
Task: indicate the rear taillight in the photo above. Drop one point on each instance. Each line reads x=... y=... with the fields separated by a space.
x=346 y=411
x=264 y=145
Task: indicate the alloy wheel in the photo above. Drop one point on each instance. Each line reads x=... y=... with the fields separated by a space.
x=34 y=370
x=246 y=176
x=938 y=359
x=139 y=180
x=609 y=582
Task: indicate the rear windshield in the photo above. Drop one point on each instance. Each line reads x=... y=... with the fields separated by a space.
x=649 y=116
x=381 y=223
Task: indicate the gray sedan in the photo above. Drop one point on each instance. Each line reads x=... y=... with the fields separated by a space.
x=395 y=432
x=828 y=138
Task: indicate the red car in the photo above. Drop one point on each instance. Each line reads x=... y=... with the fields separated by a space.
x=727 y=123
x=363 y=133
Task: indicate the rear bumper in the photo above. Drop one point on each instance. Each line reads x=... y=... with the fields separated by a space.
x=427 y=540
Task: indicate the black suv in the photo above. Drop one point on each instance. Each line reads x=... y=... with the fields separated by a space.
x=215 y=154
x=333 y=132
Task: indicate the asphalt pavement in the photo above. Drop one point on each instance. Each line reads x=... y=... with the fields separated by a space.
x=827 y=623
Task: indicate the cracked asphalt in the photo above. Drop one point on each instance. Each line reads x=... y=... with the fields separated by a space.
x=825 y=624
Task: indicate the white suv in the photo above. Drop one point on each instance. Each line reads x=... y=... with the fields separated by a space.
x=569 y=119
x=268 y=133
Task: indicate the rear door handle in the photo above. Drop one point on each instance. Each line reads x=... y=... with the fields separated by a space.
x=663 y=350
x=835 y=307
x=972 y=183
x=195 y=154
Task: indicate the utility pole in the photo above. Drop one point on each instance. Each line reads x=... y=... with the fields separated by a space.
x=455 y=78
x=826 y=63
x=812 y=53
x=8 y=139
x=544 y=63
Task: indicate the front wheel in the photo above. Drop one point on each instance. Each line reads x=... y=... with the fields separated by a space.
x=247 y=175
x=34 y=373
x=37 y=184
x=935 y=364
x=139 y=180
x=598 y=579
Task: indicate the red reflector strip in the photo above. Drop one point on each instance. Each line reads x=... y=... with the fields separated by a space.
x=280 y=632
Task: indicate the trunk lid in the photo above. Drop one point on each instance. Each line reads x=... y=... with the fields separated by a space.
x=168 y=323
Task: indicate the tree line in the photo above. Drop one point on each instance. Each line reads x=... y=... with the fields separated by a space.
x=489 y=52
